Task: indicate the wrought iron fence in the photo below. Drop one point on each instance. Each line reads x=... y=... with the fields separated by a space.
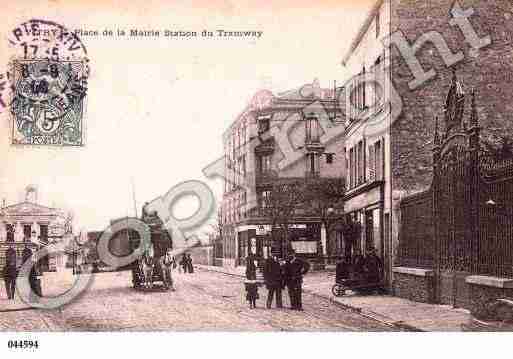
x=416 y=232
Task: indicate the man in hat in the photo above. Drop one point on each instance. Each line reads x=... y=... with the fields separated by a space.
x=35 y=284
x=10 y=272
x=273 y=277
x=295 y=269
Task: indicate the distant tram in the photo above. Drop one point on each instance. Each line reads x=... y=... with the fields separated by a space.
x=124 y=242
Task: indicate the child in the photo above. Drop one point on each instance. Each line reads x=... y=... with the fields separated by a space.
x=251 y=283
x=251 y=292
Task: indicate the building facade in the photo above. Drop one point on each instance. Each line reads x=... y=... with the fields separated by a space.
x=31 y=224
x=367 y=146
x=418 y=45
x=275 y=140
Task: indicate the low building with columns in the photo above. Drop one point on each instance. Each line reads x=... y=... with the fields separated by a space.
x=30 y=224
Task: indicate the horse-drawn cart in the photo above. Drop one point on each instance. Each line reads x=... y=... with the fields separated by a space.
x=156 y=264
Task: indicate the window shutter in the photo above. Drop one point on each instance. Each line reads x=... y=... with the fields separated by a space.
x=371 y=165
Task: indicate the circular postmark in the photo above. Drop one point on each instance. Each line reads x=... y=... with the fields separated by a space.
x=47 y=84
x=46 y=39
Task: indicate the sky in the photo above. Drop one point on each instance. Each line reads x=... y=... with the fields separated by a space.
x=157 y=107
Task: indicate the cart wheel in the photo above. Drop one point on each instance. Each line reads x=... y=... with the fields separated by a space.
x=338 y=290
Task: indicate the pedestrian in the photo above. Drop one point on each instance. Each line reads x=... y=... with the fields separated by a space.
x=373 y=266
x=273 y=277
x=251 y=283
x=35 y=284
x=343 y=269
x=10 y=272
x=294 y=270
x=190 y=267
x=167 y=262
x=251 y=267
x=183 y=263
x=7 y=281
x=358 y=264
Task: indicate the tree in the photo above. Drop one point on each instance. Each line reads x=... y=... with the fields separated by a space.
x=279 y=204
x=325 y=200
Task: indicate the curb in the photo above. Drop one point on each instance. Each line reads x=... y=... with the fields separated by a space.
x=17 y=309
x=399 y=325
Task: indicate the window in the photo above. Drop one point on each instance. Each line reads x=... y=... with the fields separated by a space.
x=263 y=125
x=352 y=167
x=352 y=99
x=234 y=174
x=371 y=164
x=264 y=199
x=312 y=130
x=233 y=147
x=379 y=160
x=27 y=229
x=10 y=233
x=363 y=86
x=243 y=161
x=265 y=164
x=357 y=165
x=361 y=163
x=244 y=129
x=312 y=164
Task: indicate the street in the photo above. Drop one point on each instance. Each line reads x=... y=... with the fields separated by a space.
x=202 y=301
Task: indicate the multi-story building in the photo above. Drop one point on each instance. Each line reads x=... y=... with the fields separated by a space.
x=367 y=149
x=417 y=45
x=276 y=139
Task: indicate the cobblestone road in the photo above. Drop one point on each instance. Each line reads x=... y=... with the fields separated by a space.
x=203 y=301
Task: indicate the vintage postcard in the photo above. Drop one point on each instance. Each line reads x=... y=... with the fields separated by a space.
x=255 y=166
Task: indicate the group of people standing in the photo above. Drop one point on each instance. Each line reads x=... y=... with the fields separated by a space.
x=10 y=272
x=186 y=263
x=277 y=276
x=359 y=267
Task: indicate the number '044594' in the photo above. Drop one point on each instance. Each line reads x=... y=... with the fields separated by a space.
x=23 y=344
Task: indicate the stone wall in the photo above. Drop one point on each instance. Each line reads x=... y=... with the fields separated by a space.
x=459 y=289
x=489 y=71
x=413 y=287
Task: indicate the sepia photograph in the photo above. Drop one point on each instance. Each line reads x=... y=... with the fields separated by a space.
x=255 y=167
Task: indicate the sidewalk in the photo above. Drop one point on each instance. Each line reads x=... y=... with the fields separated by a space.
x=52 y=283
x=7 y=305
x=397 y=312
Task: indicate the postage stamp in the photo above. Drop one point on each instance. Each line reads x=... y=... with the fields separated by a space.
x=47 y=80
x=48 y=104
